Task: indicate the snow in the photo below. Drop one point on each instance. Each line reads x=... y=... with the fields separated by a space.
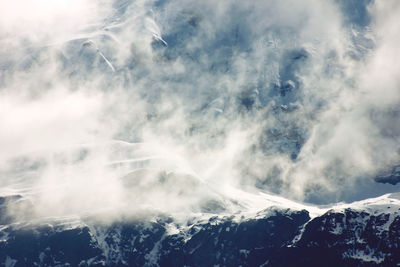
x=245 y=252
x=171 y=229
x=337 y=230
x=10 y=262
x=247 y=205
x=41 y=256
x=299 y=236
x=153 y=256
x=384 y=204
x=3 y=234
x=364 y=255
x=99 y=235
x=237 y=203
x=253 y=205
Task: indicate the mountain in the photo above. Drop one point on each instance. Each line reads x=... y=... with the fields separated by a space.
x=365 y=233
x=199 y=133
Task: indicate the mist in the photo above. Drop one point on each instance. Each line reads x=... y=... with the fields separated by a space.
x=128 y=107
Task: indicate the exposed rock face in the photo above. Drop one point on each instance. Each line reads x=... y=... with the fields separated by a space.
x=349 y=238
x=393 y=177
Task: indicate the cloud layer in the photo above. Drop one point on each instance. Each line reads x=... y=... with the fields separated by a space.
x=166 y=105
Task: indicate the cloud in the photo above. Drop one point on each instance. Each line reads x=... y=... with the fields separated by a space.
x=123 y=106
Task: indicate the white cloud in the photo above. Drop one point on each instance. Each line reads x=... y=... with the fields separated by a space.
x=284 y=96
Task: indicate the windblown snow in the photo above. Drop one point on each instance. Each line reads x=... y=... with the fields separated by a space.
x=130 y=108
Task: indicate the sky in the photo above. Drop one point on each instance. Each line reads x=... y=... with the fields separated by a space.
x=173 y=106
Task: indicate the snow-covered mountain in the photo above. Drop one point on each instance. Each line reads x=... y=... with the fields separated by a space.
x=364 y=233
x=199 y=133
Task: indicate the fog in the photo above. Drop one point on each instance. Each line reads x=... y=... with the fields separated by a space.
x=125 y=107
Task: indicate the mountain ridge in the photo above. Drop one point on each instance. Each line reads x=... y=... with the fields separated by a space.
x=364 y=233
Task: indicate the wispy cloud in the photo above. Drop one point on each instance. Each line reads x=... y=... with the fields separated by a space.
x=131 y=105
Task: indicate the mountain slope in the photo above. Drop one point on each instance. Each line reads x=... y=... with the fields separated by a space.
x=364 y=233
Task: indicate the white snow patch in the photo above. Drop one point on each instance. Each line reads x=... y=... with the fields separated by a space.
x=245 y=252
x=364 y=256
x=153 y=256
x=10 y=262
